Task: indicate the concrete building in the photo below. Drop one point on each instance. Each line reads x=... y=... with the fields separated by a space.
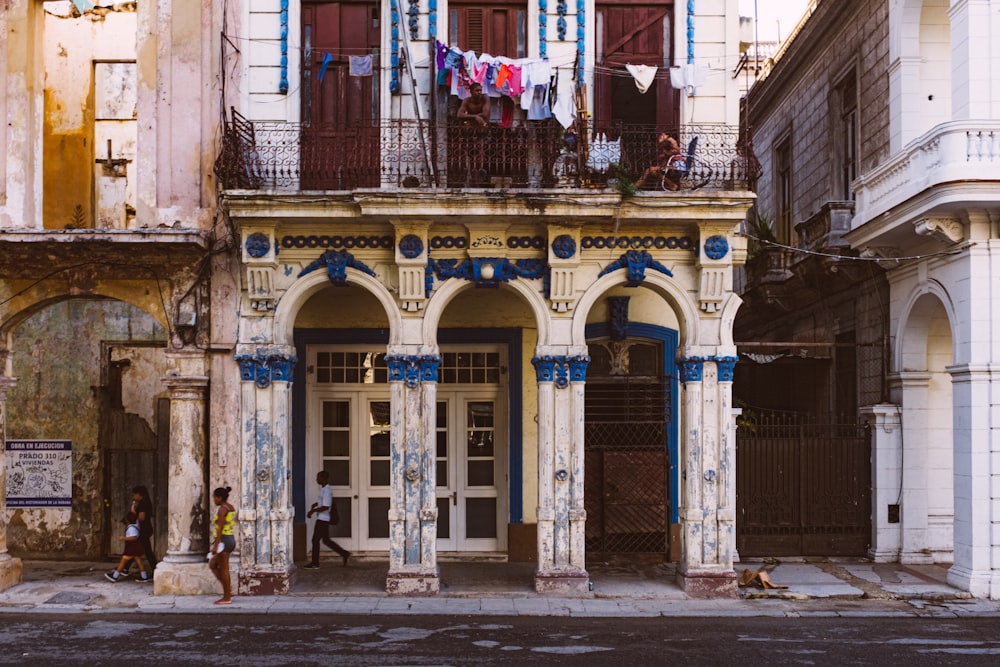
x=876 y=132
x=507 y=341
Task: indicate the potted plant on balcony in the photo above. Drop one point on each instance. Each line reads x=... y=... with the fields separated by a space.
x=620 y=181
x=766 y=258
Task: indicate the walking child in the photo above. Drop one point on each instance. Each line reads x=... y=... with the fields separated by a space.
x=132 y=552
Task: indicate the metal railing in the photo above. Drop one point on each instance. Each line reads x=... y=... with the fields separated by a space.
x=422 y=154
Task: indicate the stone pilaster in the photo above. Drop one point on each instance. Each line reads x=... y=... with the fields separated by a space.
x=10 y=568
x=708 y=515
x=976 y=495
x=413 y=568
x=184 y=569
x=561 y=514
x=265 y=511
x=913 y=388
x=884 y=420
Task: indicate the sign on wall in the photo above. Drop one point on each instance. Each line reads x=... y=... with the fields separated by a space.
x=39 y=473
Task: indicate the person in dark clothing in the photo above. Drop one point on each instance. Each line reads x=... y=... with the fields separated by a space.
x=143 y=508
x=326 y=514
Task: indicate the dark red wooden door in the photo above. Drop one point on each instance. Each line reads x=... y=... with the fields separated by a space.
x=339 y=111
x=637 y=33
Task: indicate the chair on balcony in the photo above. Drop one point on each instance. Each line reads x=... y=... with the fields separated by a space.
x=685 y=172
x=238 y=164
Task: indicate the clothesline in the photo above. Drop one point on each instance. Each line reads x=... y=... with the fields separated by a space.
x=714 y=61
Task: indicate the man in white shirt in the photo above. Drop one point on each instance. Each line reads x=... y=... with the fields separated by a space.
x=326 y=513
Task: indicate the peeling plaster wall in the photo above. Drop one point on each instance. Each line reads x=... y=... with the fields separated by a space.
x=71 y=45
x=57 y=360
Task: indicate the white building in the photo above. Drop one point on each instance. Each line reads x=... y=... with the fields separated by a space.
x=887 y=111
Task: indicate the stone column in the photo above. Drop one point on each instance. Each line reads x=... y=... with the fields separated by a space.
x=561 y=514
x=887 y=448
x=913 y=388
x=977 y=496
x=708 y=503
x=413 y=513
x=184 y=570
x=10 y=568
x=265 y=510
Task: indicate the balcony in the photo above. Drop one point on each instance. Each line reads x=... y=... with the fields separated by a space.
x=427 y=155
x=782 y=279
x=959 y=160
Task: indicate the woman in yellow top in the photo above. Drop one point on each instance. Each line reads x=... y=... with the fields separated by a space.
x=223 y=542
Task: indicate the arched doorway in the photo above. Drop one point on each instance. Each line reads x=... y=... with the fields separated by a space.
x=343 y=419
x=631 y=494
x=927 y=492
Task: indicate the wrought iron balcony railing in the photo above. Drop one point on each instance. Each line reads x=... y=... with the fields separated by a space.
x=422 y=154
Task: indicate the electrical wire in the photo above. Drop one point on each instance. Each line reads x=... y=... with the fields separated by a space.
x=854 y=258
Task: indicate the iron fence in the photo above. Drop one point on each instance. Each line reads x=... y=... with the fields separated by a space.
x=424 y=154
x=803 y=486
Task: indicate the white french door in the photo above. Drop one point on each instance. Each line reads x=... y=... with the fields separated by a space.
x=348 y=435
x=470 y=472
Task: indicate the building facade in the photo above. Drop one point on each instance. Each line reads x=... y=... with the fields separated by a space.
x=508 y=340
x=875 y=130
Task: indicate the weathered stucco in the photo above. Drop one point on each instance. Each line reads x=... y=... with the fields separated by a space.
x=57 y=360
x=70 y=46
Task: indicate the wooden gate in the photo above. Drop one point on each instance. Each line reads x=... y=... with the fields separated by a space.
x=802 y=489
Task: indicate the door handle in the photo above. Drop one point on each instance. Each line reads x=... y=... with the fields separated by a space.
x=454 y=498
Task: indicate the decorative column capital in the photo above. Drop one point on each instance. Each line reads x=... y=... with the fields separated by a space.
x=413 y=369
x=691 y=368
x=561 y=369
x=262 y=368
x=726 y=367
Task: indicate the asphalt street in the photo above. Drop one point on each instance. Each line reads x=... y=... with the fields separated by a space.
x=220 y=639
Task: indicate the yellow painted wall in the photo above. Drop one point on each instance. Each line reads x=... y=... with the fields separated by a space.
x=70 y=47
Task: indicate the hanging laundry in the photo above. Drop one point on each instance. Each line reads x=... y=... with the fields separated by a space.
x=441 y=52
x=564 y=108
x=506 y=112
x=536 y=75
x=514 y=86
x=643 y=75
x=361 y=66
x=327 y=59
x=688 y=76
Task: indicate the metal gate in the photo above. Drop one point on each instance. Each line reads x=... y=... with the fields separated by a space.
x=626 y=463
x=802 y=489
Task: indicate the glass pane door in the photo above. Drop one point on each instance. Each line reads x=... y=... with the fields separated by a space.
x=336 y=460
x=376 y=530
x=478 y=476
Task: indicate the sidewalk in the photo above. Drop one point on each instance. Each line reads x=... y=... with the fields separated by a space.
x=846 y=587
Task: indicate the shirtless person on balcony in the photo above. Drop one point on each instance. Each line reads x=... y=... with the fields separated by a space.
x=476 y=108
x=474 y=113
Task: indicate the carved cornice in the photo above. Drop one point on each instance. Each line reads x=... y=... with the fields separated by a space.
x=636 y=261
x=337 y=263
x=946 y=230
